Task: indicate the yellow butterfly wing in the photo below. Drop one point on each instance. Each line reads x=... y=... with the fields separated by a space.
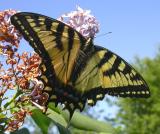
x=56 y=43
x=59 y=46
x=107 y=73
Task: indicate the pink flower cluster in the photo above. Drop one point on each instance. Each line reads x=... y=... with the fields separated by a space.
x=82 y=21
x=22 y=70
x=17 y=119
x=8 y=33
x=16 y=70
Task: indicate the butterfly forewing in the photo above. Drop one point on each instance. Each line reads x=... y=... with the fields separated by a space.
x=52 y=40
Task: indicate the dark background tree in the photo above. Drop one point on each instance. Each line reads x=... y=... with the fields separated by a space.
x=142 y=116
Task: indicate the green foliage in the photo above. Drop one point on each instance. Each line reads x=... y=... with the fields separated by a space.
x=44 y=121
x=79 y=123
x=21 y=131
x=142 y=116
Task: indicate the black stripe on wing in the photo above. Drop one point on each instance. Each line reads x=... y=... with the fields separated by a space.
x=119 y=68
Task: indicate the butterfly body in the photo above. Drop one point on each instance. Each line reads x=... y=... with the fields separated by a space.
x=75 y=71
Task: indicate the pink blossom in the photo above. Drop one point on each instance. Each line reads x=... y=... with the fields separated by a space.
x=82 y=21
x=8 y=33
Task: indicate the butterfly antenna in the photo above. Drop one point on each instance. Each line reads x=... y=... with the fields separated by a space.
x=103 y=34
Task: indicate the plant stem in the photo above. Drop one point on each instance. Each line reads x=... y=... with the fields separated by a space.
x=13 y=98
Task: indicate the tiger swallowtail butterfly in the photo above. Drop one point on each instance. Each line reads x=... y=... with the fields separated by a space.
x=77 y=71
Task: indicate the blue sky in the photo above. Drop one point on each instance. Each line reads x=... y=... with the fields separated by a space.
x=135 y=25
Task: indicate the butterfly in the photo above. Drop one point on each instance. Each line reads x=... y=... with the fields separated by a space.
x=75 y=71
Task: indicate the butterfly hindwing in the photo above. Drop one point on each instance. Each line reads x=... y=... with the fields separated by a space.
x=112 y=75
x=119 y=75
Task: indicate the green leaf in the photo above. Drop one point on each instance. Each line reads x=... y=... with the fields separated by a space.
x=56 y=117
x=59 y=118
x=44 y=121
x=3 y=120
x=62 y=129
x=41 y=120
x=2 y=129
x=54 y=108
x=21 y=131
x=86 y=123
